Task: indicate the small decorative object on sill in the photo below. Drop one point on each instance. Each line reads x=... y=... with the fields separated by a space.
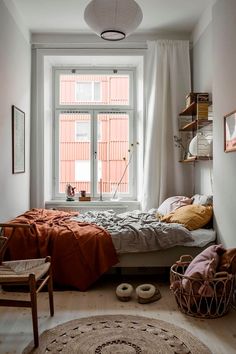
x=70 y=193
x=83 y=193
x=115 y=195
x=131 y=152
x=85 y=199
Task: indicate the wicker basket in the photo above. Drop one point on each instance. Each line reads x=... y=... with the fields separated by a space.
x=188 y=299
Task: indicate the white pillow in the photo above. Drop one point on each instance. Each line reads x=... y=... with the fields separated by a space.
x=202 y=199
x=173 y=203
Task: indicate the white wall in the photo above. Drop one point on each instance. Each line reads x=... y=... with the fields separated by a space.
x=202 y=58
x=202 y=82
x=214 y=58
x=15 y=63
x=224 y=92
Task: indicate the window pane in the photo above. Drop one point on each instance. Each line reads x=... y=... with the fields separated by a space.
x=94 y=89
x=74 y=146
x=113 y=154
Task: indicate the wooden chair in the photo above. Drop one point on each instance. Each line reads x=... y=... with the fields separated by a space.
x=34 y=273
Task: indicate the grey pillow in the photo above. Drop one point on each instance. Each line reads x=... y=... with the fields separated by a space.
x=202 y=199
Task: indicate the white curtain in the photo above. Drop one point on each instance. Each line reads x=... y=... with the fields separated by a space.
x=167 y=82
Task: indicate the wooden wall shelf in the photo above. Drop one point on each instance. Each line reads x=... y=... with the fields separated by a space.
x=191 y=110
x=197 y=158
x=197 y=123
x=194 y=119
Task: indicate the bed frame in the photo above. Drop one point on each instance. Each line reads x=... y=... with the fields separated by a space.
x=161 y=258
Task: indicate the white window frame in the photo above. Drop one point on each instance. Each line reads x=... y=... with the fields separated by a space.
x=85 y=71
x=94 y=110
x=132 y=182
x=56 y=135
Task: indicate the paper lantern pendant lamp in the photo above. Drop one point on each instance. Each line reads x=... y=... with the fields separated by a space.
x=113 y=20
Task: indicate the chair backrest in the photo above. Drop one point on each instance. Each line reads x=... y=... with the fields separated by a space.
x=3 y=246
x=4 y=241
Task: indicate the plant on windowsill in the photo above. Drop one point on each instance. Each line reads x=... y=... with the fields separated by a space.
x=131 y=153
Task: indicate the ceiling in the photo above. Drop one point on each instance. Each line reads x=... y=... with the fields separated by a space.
x=50 y=16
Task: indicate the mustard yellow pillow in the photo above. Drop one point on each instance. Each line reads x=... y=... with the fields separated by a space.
x=191 y=216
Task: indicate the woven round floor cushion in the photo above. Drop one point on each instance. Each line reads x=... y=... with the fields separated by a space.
x=146 y=293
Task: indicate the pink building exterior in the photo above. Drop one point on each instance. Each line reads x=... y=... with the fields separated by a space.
x=114 y=90
x=113 y=133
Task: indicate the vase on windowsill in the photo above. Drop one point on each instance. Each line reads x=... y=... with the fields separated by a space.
x=115 y=194
x=115 y=197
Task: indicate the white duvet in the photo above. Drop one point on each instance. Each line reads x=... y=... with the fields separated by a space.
x=138 y=231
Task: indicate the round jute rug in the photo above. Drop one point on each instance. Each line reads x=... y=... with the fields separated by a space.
x=118 y=334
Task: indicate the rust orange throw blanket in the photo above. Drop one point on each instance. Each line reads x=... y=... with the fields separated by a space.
x=80 y=252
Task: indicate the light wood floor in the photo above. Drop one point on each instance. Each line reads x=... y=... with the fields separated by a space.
x=16 y=328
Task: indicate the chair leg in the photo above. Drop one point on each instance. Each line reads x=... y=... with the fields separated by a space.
x=50 y=292
x=33 y=297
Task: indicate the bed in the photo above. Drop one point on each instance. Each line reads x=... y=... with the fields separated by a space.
x=85 y=246
x=131 y=230
x=80 y=252
x=166 y=257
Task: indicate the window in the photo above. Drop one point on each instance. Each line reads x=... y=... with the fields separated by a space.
x=94 y=131
x=85 y=89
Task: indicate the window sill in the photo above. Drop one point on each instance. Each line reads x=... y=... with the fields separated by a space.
x=119 y=206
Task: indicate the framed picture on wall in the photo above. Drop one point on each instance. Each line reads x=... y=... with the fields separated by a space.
x=18 y=140
x=230 y=132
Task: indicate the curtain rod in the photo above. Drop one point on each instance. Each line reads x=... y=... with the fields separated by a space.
x=43 y=46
